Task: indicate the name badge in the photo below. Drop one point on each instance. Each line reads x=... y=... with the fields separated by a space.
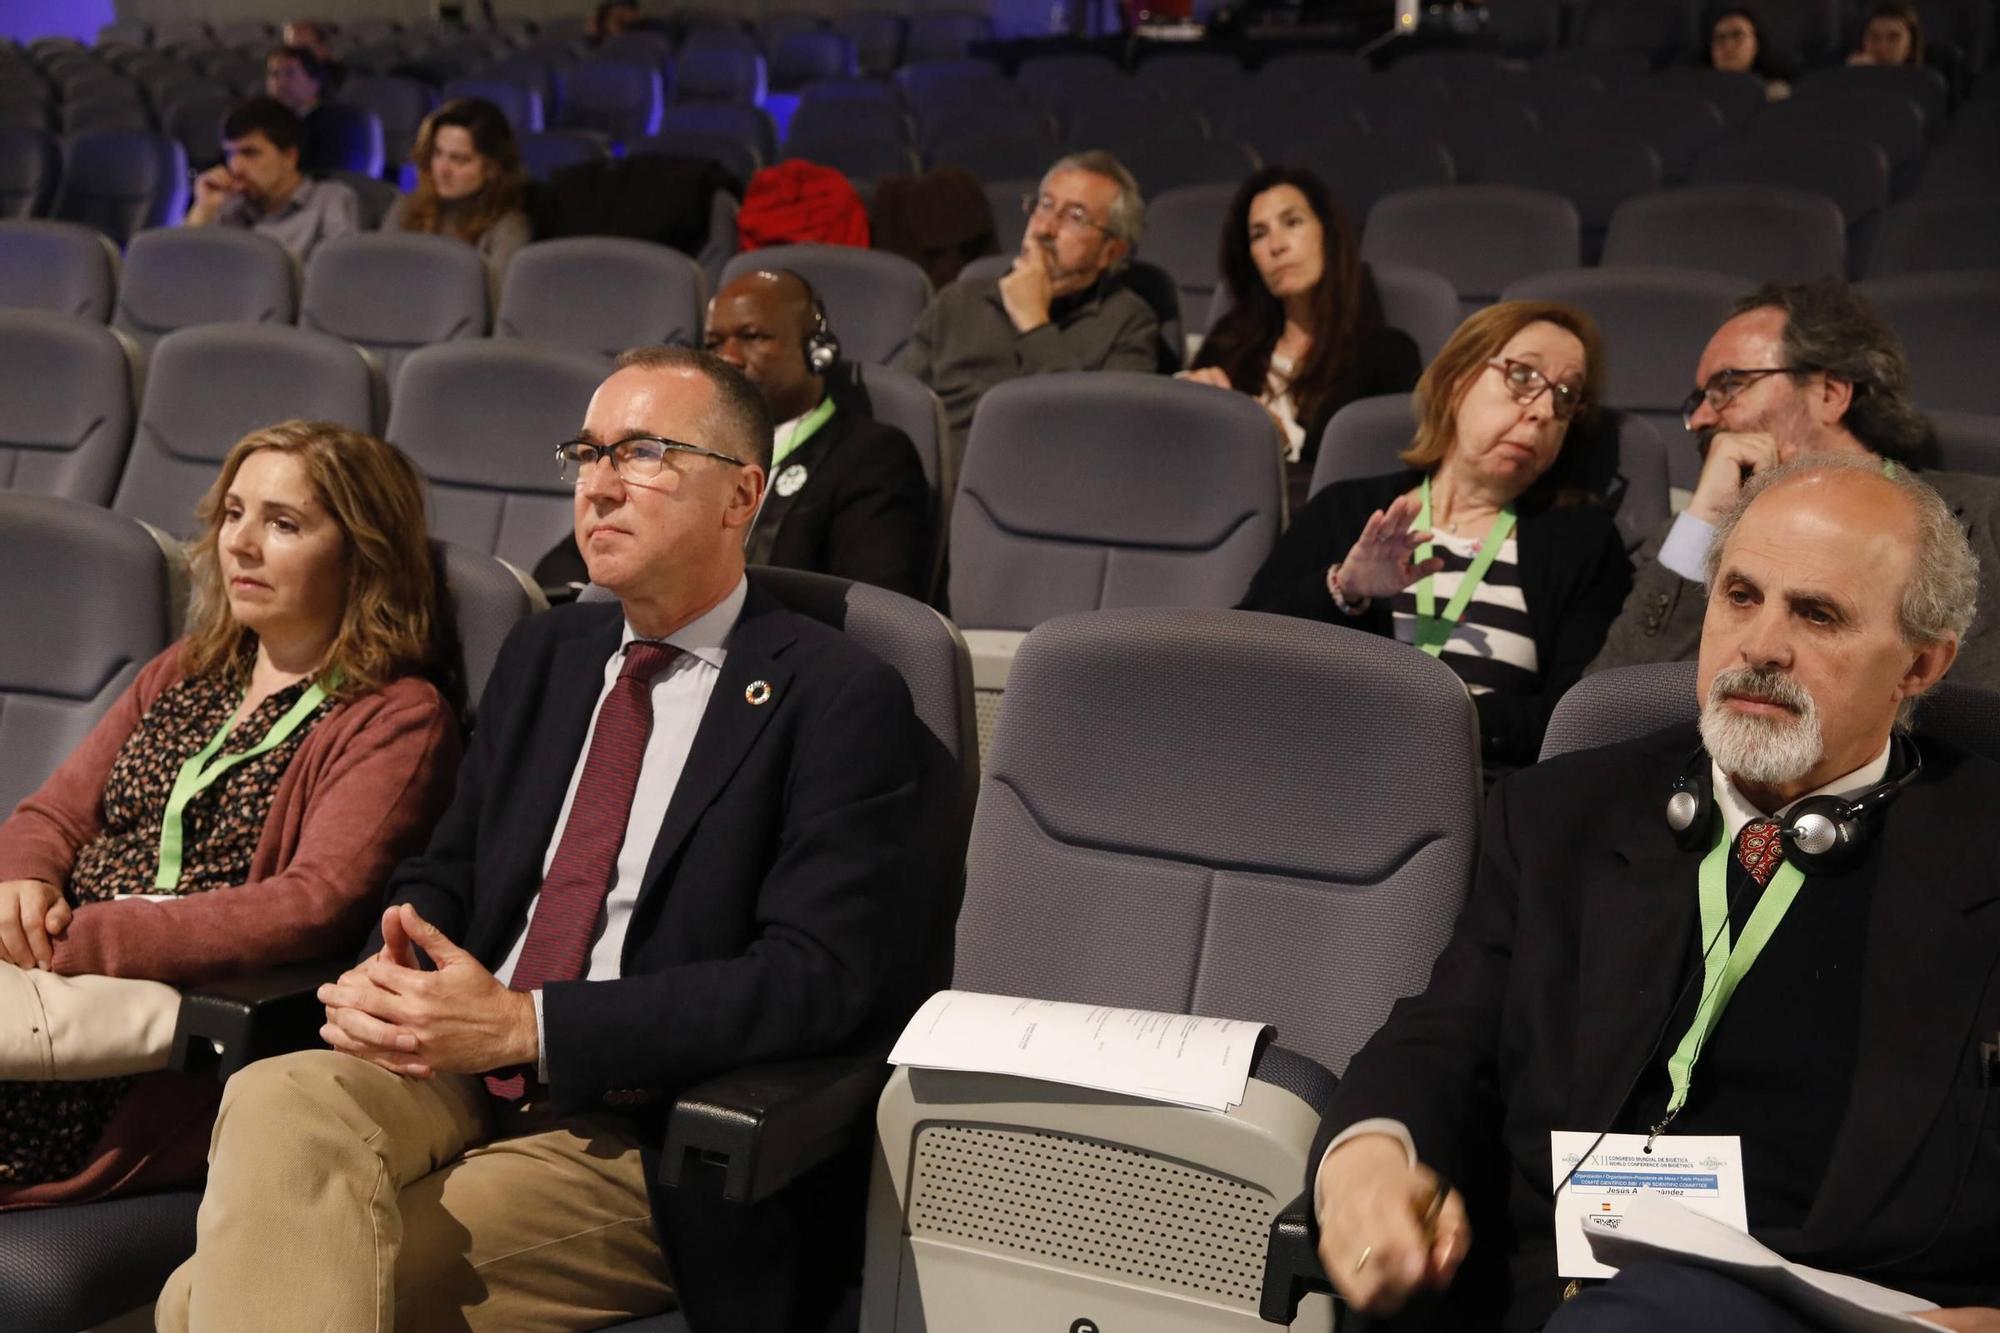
x=1704 y=1172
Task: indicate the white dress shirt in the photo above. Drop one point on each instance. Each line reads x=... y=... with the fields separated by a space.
x=680 y=698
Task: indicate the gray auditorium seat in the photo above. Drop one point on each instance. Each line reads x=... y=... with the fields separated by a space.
x=747 y=124
x=945 y=34
x=1140 y=775
x=739 y=159
x=489 y=597
x=68 y=384
x=872 y=297
x=602 y=294
x=546 y=154
x=1753 y=232
x=1919 y=84
x=1926 y=235
x=482 y=419
x=30 y=164
x=1659 y=30
x=800 y=58
x=1946 y=321
x=1419 y=302
x=1182 y=227
x=1852 y=172
x=1893 y=124
x=1968 y=442
x=898 y=398
x=1739 y=97
x=399 y=103
x=179 y=277
x=1655 y=323
x=877 y=37
x=613 y=97
x=1676 y=125
x=1160 y=164
x=64 y=267
x=209 y=386
x=394 y=292
x=1594 y=171
x=120 y=181
x=83 y=1265
x=1105 y=489
x=707 y=72
x=859 y=118
x=1477 y=237
x=88 y=604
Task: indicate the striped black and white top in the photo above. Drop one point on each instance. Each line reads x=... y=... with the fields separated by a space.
x=1492 y=647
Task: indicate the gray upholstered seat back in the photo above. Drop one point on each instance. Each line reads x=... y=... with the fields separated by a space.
x=1946 y=321
x=489 y=597
x=603 y=294
x=1752 y=232
x=1629 y=702
x=1655 y=323
x=61 y=266
x=872 y=297
x=393 y=293
x=482 y=420
x=67 y=383
x=1480 y=237
x=1105 y=489
x=87 y=605
x=178 y=277
x=1223 y=813
x=209 y=386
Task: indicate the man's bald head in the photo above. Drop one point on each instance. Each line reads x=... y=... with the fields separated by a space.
x=760 y=324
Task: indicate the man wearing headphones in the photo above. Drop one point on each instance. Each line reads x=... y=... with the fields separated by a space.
x=847 y=494
x=1777 y=931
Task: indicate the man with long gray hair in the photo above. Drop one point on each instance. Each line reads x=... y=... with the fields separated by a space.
x=1799 y=368
x=1060 y=307
x=1767 y=946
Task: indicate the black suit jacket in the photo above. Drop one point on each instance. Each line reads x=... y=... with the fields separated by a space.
x=863 y=513
x=1563 y=970
x=780 y=915
x=1574 y=576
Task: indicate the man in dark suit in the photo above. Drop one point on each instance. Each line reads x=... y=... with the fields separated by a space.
x=847 y=494
x=1848 y=1057
x=1799 y=368
x=678 y=846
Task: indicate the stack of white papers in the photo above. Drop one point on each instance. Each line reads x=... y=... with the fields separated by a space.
x=1178 y=1058
x=1658 y=1227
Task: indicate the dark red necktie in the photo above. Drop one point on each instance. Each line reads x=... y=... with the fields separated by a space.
x=586 y=860
x=1759 y=849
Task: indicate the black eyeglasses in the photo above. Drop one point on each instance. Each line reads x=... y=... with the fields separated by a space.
x=1723 y=386
x=1067 y=215
x=635 y=458
x=1527 y=384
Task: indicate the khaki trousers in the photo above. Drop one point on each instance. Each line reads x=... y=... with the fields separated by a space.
x=346 y=1198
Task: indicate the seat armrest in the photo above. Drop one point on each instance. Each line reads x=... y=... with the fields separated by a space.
x=1291 y=1263
x=766 y=1126
x=224 y=1025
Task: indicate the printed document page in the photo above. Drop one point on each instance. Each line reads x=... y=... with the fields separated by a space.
x=1179 y=1058
x=1658 y=1227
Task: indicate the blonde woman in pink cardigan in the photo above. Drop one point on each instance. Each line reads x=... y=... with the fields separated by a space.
x=239 y=807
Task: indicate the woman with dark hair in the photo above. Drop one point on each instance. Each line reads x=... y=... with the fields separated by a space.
x=1893 y=35
x=239 y=807
x=1305 y=334
x=1736 y=46
x=470 y=184
x=1487 y=553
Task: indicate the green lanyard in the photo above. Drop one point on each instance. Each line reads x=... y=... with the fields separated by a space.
x=198 y=775
x=1433 y=629
x=1719 y=976
x=807 y=429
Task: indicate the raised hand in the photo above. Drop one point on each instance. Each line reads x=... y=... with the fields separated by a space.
x=1382 y=561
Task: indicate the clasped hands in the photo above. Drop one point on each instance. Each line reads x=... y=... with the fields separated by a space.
x=33 y=915
x=1382 y=561
x=456 y=1019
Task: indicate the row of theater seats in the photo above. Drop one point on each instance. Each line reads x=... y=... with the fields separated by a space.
x=1677 y=261
x=1331 y=838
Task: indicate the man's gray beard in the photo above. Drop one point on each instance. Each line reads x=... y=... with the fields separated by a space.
x=1763 y=750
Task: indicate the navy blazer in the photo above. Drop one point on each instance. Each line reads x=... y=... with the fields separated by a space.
x=781 y=915
x=1565 y=967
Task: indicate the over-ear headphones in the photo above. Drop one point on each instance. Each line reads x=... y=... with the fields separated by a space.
x=822 y=348
x=1821 y=833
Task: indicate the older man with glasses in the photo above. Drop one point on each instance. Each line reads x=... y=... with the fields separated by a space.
x=677 y=847
x=1061 y=306
x=1799 y=368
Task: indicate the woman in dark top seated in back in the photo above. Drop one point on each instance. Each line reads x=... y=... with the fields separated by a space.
x=1305 y=335
x=1487 y=554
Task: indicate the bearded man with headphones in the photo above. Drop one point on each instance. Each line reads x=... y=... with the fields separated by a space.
x=847 y=495
x=1778 y=932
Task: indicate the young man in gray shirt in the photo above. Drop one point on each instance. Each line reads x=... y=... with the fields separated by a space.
x=259 y=184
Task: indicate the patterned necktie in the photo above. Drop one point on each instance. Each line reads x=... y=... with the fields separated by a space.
x=586 y=860
x=1759 y=849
